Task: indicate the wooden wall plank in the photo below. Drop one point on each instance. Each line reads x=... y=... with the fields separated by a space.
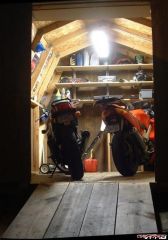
x=68 y=219
x=135 y=212
x=159 y=10
x=100 y=215
x=35 y=126
x=35 y=216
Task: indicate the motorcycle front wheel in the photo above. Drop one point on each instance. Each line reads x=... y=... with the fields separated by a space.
x=124 y=151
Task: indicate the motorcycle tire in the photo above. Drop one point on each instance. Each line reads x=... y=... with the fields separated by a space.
x=71 y=152
x=124 y=151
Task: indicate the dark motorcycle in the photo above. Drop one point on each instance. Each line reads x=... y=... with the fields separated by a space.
x=65 y=144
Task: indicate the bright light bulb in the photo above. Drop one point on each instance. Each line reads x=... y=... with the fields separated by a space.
x=100 y=43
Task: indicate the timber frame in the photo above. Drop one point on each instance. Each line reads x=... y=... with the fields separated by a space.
x=17 y=95
x=63 y=37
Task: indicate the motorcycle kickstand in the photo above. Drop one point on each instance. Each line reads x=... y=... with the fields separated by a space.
x=53 y=172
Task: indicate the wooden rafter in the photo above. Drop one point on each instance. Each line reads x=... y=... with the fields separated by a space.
x=47 y=78
x=130 y=40
x=132 y=27
x=44 y=69
x=39 y=67
x=74 y=45
x=64 y=30
x=144 y=21
x=47 y=29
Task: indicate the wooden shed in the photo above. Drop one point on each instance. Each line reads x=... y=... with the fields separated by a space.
x=135 y=28
x=63 y=38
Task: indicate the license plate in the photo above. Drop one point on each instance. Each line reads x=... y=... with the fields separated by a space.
x=112 y=128
x=65 y=118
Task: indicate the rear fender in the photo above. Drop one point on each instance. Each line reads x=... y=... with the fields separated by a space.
x=130 y=118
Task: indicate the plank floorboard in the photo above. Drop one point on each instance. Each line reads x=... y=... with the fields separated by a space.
x=100 y=215
x=135 y=212
x=35 y=216
x=68 y=218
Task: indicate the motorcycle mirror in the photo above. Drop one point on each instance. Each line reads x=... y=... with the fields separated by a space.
x=103 y=126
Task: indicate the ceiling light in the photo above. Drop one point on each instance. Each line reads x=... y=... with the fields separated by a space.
x=100 y=43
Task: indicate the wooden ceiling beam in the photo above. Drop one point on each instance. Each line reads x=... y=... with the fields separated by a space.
x=69 y=37
x=145 y=21
x=39 y=67
x=43 y=71
x=47 y=78
x=132 y=27
x=47 y=29
x=131 y=41
x=77 y=44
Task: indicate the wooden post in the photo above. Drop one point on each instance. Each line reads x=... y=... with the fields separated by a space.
x=35 y=161
x=108 y=152
x=159 y=11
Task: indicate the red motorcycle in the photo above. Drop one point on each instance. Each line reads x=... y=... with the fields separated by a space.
x=132 y=126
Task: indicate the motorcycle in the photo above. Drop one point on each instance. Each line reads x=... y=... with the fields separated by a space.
x=132 y=128
x=65 y=143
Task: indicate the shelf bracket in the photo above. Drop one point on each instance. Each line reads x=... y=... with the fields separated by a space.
x=74 y=74
x=107 y=90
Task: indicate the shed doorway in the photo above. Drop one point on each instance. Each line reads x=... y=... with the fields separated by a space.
x=63 y=31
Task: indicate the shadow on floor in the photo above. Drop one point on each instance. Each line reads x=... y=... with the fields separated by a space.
x=10 y=205
x=160 y=200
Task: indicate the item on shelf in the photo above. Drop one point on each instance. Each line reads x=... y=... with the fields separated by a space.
x=33 y=65
x=63 y=93
x=94 y=59
x=145 y=93
x=139 y=59
x=65 y=80
x=68 y=93
x=103 y=61
x=123 y=60
x=73 y=60
x=140 y=76
x=39 y=47
x=78 y=80
x=58 y=95
x=123 y=80
x=85 y=58
x=107 y=79
x=79 y=59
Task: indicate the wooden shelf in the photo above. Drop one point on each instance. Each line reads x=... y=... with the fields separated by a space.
x=124 y=99
x=104 y=67
x=105 y=84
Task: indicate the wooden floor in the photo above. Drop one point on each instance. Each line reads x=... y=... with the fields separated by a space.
x=114 y=177
x=76 y=209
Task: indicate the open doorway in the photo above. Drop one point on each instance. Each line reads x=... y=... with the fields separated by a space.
x=63 y=31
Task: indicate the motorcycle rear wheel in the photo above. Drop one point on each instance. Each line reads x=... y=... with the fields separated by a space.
x=72 y=154
x=124 y=151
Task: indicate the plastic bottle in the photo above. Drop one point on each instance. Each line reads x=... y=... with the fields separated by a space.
x=68 y=94
x=58 y=95
x=63 y=93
